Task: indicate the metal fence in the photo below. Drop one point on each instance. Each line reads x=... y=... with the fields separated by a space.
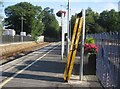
x=11 y=39
x=108 y=58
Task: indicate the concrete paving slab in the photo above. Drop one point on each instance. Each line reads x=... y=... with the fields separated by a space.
x=48 y=72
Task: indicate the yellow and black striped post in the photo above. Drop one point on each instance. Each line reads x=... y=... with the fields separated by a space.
x=73 y=47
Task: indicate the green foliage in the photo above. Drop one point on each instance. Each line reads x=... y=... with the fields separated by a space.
x=106 y=21
x=1 y=26
x=73 y=18
x=90 y=40
x=35 y=20
x=37 y=24
x=51 y=24
x=91 y=21
x=30 y=13
x=14 y=14
x=110 y=20
x=37 y=30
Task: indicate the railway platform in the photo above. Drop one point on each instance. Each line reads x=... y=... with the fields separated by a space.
x=44 y=68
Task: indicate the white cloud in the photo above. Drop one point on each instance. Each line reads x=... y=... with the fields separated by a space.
x=110 y=6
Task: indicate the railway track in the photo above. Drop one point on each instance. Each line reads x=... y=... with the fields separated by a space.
x=13 y=66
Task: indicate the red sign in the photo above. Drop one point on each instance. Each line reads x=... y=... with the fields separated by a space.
x=59 y=13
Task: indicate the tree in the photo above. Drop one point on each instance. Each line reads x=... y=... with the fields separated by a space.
x=0 y=24
x=32 y=17
x=51 y=24
x=1 y=20
x=91 y=21
x=106 y=21
x=37 y=24
x=73 y=18
x=110 y=20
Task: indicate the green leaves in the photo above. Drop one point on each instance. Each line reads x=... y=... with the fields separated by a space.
x=51 y=24
x=35 y=20
x=32 y=18
x=29 y=13
x=110 y=20
x=1 y=26
x=90 y=40
x=106 y=21
x=91 y=20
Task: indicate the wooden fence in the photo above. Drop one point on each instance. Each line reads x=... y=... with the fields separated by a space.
x=108 y=58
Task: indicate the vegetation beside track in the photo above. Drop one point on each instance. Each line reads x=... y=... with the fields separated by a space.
x=17 y=50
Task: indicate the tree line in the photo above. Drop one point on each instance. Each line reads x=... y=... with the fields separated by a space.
x=36 y=21
x=106 y=21
x=1 y=19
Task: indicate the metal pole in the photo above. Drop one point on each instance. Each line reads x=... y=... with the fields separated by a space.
x=62 y=21
x=82 y=51
x=70 y=26
x=21 y=28
x=68 y=40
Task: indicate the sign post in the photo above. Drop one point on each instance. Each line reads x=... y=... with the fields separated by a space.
x=62 y=21
x=62 y=15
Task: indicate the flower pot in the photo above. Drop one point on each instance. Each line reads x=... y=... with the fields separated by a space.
x=89 y=67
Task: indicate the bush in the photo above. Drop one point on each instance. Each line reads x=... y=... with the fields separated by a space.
x=90 y=40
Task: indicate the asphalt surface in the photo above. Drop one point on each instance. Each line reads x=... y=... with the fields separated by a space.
x=44 y=68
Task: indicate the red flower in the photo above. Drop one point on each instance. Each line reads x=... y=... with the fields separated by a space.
x=91 y=48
